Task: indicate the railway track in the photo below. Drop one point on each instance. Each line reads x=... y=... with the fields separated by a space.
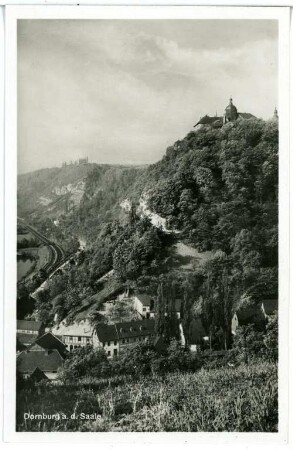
x=57 y=255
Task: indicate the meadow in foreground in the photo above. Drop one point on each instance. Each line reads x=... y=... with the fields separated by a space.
x=243 y=398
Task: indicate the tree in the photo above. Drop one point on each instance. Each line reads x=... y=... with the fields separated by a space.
x=217 y=297
x=122 y=311
x=84 y=362
x=137 y=360
x=248 y=344
x=160 y=311
x=43 y=307
x=271 y=338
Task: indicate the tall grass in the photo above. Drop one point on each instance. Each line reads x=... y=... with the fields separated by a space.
x=226 y=399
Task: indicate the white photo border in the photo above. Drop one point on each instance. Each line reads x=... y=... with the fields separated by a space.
x=13 y=13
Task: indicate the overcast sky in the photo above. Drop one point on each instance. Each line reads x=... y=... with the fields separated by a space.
x=120 y=92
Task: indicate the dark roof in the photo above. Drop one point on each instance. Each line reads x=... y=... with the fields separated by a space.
x=106 y=332
x=270 y=306
x=26 y=339
x=31 y=325
x=19 y=346
x=28 y=361
x=196 y=331
x=38 y=375
x=145 y=299
x=48 y=342
x=246 y=115
x=135 y=328
x=210 y=120
x=125 y=330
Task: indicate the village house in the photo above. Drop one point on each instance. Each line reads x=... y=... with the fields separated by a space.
x=144 y=305
x=27 y=331
x=74 y=335
x=48 y=342
x=46 y=363
x=42 y=359
x=116 y=338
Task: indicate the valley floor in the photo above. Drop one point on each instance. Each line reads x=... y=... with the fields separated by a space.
x=234 y=399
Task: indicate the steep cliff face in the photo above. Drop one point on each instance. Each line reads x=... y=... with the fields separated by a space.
x=51 y=193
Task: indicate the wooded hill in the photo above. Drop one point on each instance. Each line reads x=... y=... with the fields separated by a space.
x=219 y=189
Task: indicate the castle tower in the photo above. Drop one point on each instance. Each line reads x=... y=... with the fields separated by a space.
x=276 y=117
x=231 y=113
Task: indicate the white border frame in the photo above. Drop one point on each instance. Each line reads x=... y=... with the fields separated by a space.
x=138 y=13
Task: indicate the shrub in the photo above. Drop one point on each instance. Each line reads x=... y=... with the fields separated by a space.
x=85 y=361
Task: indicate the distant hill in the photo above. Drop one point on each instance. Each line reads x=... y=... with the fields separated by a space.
x=56 y=191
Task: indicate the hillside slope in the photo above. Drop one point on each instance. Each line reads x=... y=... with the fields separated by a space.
x=201 y=225
x=57 y=191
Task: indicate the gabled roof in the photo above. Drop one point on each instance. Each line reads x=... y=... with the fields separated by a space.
x=106 y=332
x=145 y=299
x=124 y=330
x=270 y=306
x=135 y=328
x=48 y=342
x=38 y=375
x=28 y=361
x=246 y=115
x=25 y=338
x=81 y=328
x=30 y=325
x=19 y=345
x=210 y=120
x=196 y=331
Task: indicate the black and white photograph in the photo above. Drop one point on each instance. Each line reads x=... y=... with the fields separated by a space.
x=147 y=229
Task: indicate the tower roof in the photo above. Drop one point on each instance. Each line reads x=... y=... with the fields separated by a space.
x=231 y=107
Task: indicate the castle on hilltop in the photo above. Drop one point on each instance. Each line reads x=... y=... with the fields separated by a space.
x=231 y=114
x=79 y=162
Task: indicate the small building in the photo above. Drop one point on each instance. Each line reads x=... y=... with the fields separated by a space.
x=42 y=359
x=197 y=334
x=74 y=335
x=251 y=314
x=27 y=331
x=39 y=364
x=116 y=338
x=48 y=342
x=144 y=305
x=269 y=307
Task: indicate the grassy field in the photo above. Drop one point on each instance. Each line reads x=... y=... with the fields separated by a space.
x=239 y=399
